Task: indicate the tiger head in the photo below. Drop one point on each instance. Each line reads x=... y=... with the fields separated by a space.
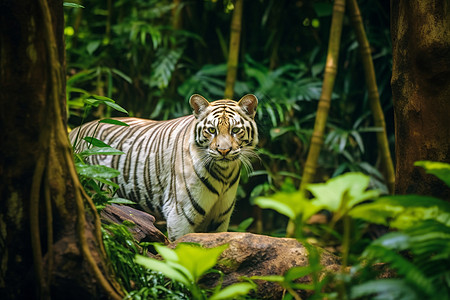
x=225 y=129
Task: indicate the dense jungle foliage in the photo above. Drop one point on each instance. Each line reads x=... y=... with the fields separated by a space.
x=151 y=56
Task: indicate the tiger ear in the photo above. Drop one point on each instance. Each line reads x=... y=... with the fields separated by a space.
x=198 y=104
x=248 y=104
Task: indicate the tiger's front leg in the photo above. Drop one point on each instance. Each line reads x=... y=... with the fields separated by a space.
x=177 y=226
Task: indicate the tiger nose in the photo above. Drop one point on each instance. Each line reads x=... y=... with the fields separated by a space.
x=224 y=151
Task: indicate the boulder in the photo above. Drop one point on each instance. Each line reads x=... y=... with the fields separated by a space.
x=257 y=255
x=247 y=254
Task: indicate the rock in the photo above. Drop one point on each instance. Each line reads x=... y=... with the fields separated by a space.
x=143 y=230
x=247 y=254
x=257 y=255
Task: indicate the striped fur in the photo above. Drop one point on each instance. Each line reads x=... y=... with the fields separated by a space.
x=185 y=171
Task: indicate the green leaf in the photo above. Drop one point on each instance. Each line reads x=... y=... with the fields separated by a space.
x=289 y=204
x=232 y=291
x=243 y=226
x=114 y=122
x=92 y=46
x=101 y=151
x=166 y=252
x=116 y=106
x=163 y=66
x=197 y=259
x=96 y=142
x=396 y=289
x=271 y=278
x=404 y=267
x=162 y=267
x=344 y=191
x=95 y=100
x=403 y=211
x=122 y=75
x=297 y=272
x=96 y=171
x=70 y=4
x=439 y=169
x=107 y=182
x=278 y=203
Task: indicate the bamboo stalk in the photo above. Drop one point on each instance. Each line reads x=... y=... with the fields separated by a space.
x=325 y=97
x=374 y=99
x=176 y=15
x=233 y=55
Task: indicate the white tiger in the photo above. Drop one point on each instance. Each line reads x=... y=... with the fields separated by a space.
x=186 y=170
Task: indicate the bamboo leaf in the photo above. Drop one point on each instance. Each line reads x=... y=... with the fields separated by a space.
x=114 y=122
x=95 y=142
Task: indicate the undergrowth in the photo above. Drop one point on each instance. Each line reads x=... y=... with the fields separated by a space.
x=410 y=261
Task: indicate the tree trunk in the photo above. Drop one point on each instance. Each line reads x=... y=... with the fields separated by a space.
x=50 y=241
x=421 y=92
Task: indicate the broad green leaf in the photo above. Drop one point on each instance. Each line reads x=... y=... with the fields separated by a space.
x=439 y=169
x=114 y=122
x=96 y=171
x=95 y=142
x=166 y=253
x=182 y=270
x=230 y=292
x=403 y=211
x=277 y=203
x=101 y=151
x=198 y=259
x=162 y=267
x=343 y=191
x=289 y=204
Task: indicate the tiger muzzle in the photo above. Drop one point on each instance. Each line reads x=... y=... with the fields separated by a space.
x=223 y=145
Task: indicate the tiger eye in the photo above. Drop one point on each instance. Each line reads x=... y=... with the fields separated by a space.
x=211 y=130
x=235 y=130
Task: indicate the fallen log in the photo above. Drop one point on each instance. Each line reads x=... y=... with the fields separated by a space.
x=144 y=229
